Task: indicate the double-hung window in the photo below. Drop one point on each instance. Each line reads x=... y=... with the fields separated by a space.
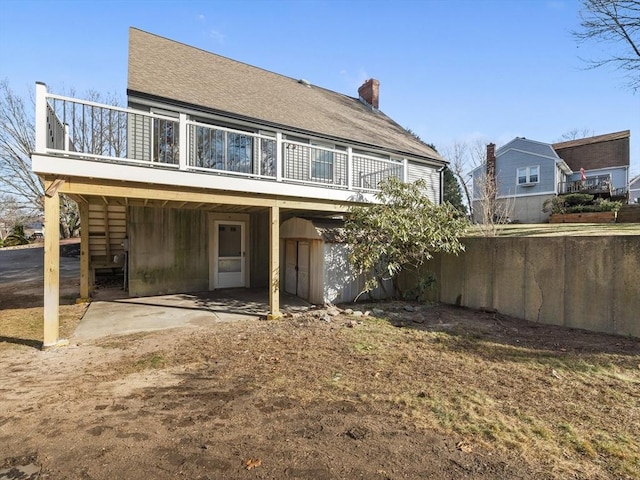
x=528 y=175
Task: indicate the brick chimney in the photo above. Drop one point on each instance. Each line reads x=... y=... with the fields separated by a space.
x=369 y=93
x=491 y=160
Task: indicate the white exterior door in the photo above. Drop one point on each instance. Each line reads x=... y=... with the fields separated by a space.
x=229 y=257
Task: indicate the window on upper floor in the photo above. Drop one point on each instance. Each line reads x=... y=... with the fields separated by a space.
x=223 y=150
x=528 y=175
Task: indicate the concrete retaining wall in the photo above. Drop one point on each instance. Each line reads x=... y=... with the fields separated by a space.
x=579 y=282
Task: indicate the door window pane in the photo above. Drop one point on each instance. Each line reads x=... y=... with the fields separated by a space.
x=230 y=240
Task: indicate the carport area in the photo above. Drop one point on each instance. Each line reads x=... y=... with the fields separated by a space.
x=115 y=314
x=170 y=238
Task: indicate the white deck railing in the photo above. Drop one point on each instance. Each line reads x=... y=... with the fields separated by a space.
x=105 y=133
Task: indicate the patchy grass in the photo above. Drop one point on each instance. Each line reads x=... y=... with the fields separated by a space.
x=572 y=410
x=579 y=411
x=564 y=403
x=24 y=326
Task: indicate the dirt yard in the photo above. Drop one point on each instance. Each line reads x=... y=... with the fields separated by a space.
x=405 y=392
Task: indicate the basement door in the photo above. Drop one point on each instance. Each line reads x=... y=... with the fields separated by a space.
x=297 y=268
x=229 y=255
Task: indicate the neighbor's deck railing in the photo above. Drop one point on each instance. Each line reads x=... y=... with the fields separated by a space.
x=83 y=129
x=597 y=184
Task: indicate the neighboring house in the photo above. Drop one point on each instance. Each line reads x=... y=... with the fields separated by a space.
x=193 y=180
x=528 y=172
x=634 y=190
x=34 y=230
x=605 y=161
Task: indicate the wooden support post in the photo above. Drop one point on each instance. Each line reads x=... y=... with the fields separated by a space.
x=51 y=269
x=84 y=251
x=274 y=263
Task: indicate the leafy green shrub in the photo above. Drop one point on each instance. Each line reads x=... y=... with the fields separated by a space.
x=577 y=199
x=400 y=233
x=579 y=203
x=608 y=205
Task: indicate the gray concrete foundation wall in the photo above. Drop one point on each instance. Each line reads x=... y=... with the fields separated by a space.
x=591 y=283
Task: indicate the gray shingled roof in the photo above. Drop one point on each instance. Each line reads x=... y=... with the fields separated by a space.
x=171 y=71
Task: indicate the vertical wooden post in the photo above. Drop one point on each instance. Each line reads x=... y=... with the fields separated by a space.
x=274 y=263
x=51 y=267
x=84 y=251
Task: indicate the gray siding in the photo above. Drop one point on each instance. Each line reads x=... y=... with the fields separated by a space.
x=528 y=146
x=507 y=166
x=168 y=251
x=634 y=191
x=139 y=137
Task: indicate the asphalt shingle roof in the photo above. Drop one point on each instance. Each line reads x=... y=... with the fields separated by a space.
x=172 y=71
x=600 y=151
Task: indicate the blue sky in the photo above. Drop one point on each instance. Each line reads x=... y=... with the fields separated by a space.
x=455 y=70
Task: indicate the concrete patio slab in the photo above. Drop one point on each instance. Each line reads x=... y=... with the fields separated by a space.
x=123 y=316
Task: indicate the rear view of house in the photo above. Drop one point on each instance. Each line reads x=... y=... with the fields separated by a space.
x=600 y=165
x=527 y=172
x=190 y=183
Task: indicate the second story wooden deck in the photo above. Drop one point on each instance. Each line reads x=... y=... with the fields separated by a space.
x=87 y=139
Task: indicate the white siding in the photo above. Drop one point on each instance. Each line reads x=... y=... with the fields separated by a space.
x=431 y=175
x=340 y=285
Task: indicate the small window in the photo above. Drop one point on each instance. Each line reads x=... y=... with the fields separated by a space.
x=528 y=175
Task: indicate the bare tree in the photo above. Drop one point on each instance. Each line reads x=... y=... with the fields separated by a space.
x=464 y=157
x=576 y=133
x=17 y=141
x=491 y=211
x=615 y=23
x=457 y=156
x=17 y=132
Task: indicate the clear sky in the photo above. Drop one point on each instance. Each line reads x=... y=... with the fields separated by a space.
x=448 y=69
